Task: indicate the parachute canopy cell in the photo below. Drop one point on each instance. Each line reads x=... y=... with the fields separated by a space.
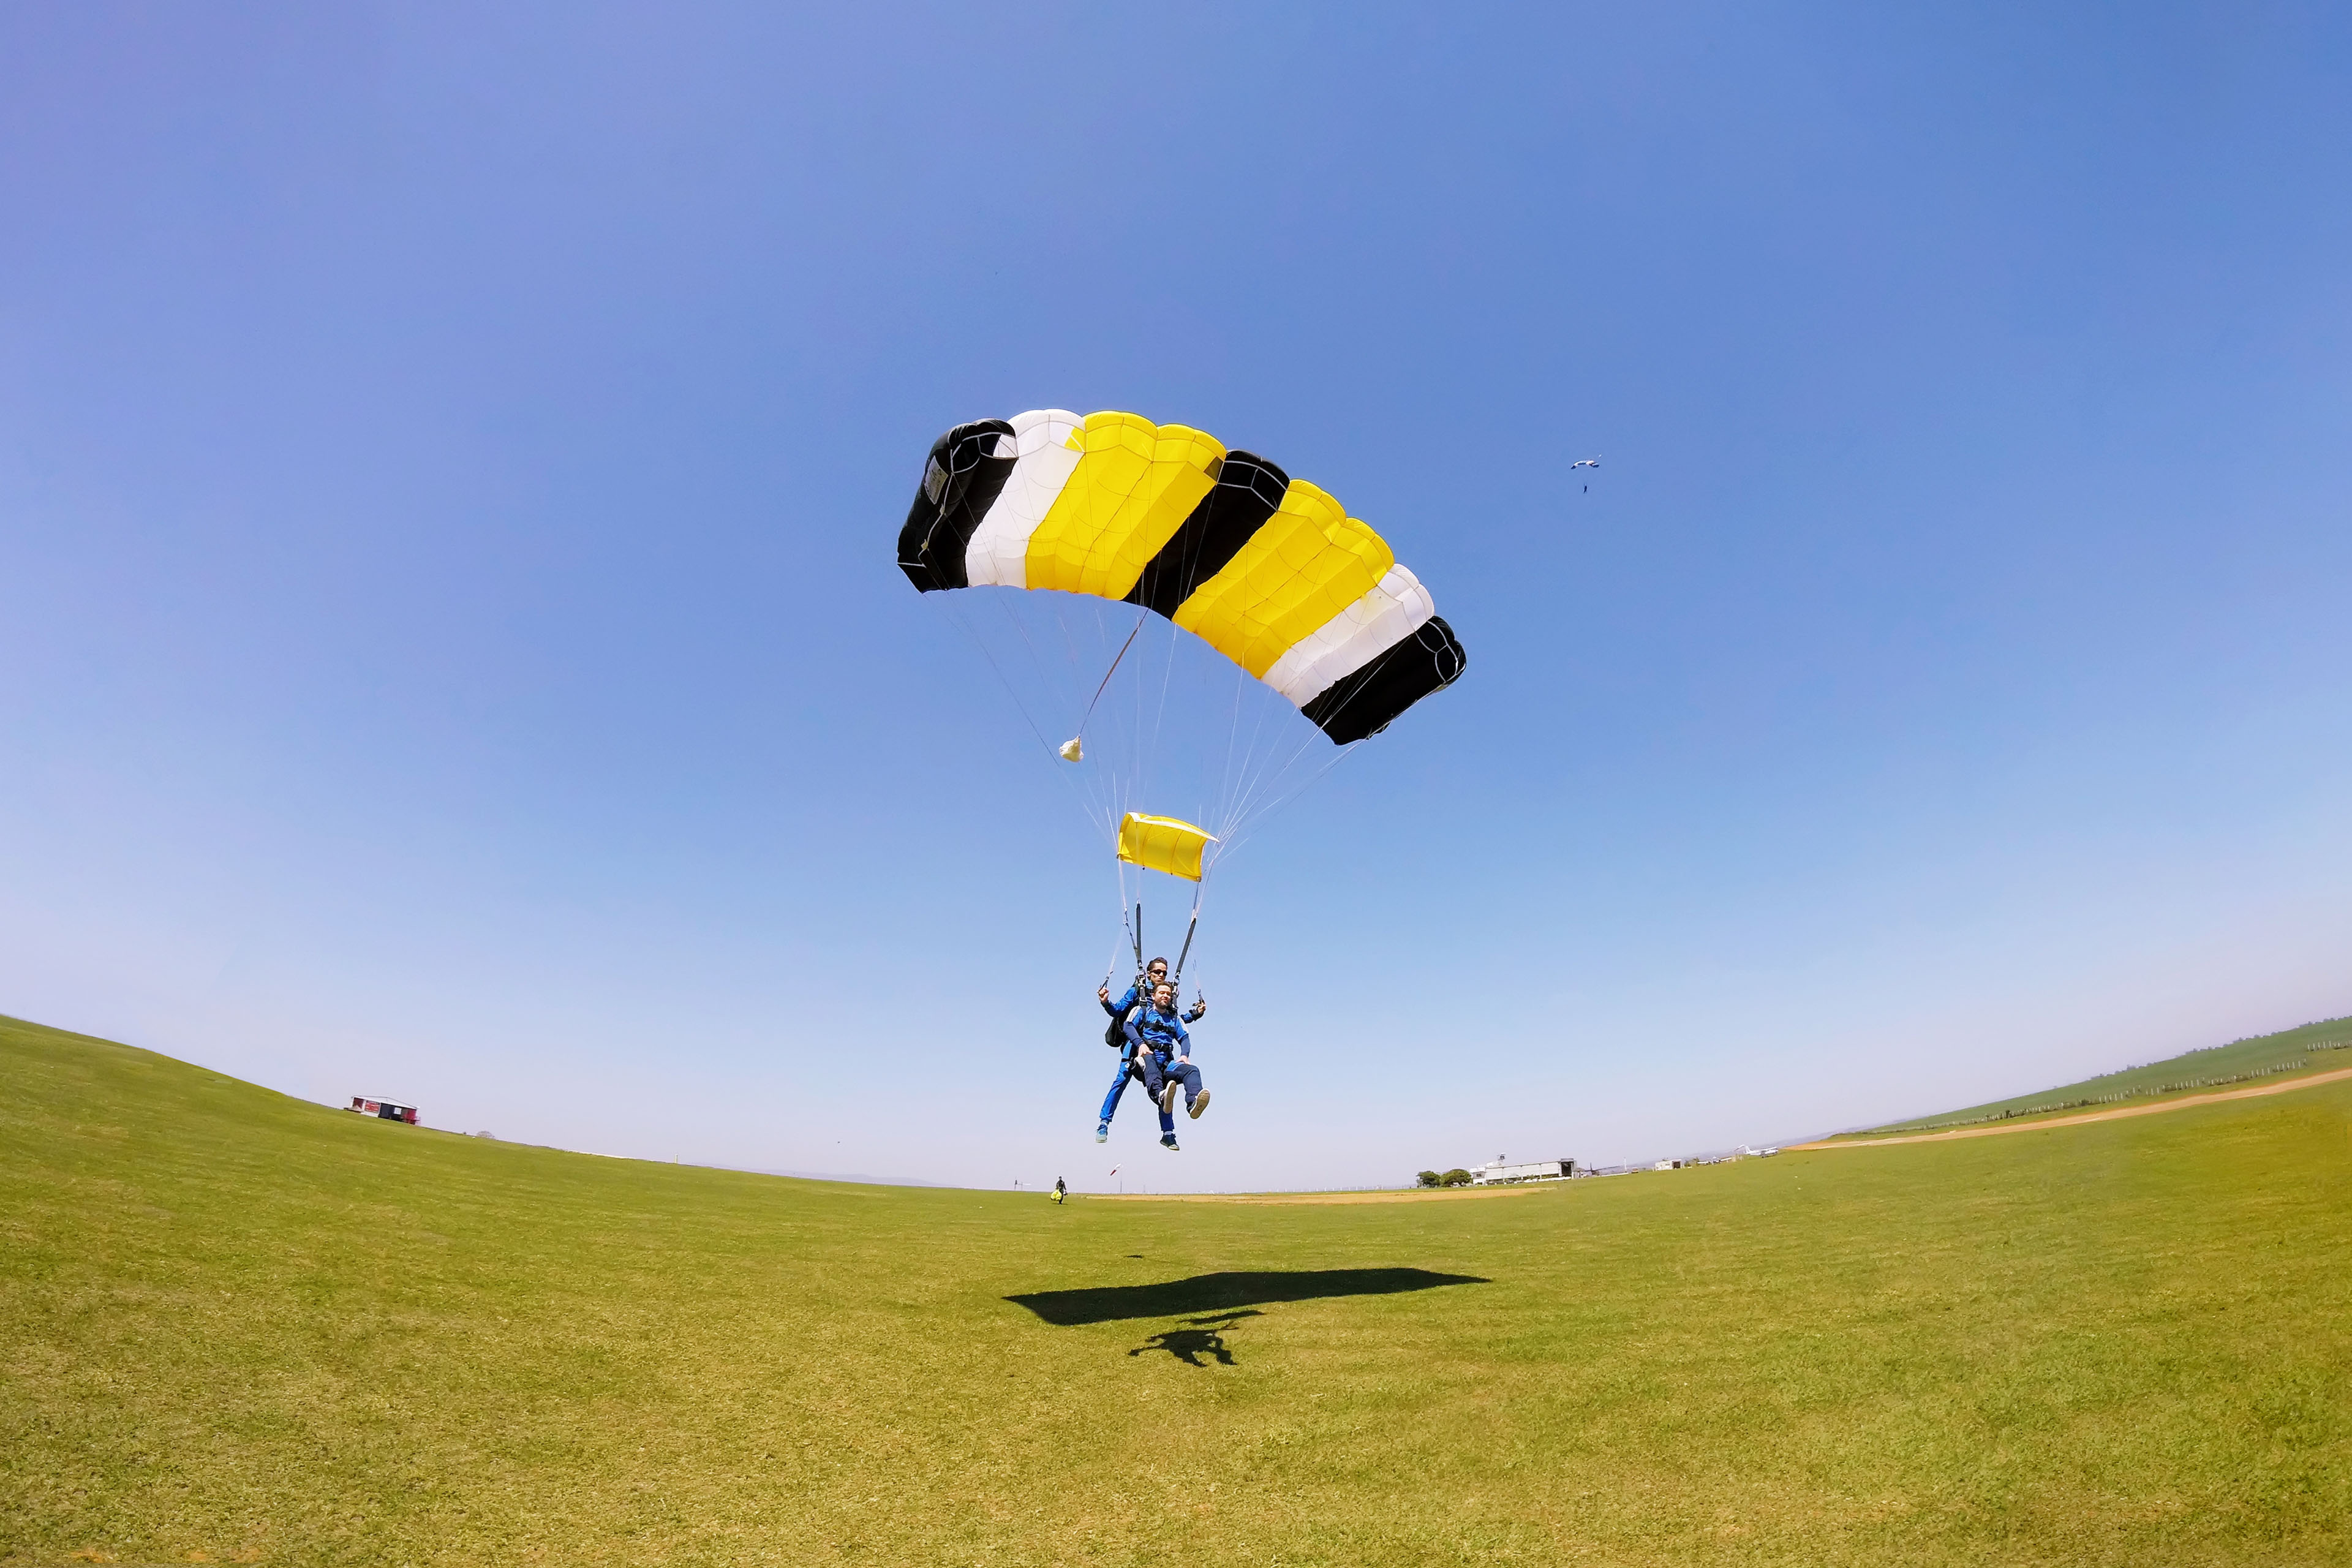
x=1162 y=844
x=1268 y=569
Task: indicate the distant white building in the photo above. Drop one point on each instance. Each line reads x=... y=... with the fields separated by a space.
x=1497 y=1170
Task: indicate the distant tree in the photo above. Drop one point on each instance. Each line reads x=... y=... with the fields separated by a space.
x=1456 y=1178
x=1427 y=1179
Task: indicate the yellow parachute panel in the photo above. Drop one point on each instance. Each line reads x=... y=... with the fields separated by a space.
x=1162 y=844
x=1133 y=489
x=1307 y=563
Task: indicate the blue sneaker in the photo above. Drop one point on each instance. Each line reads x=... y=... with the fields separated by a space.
x=1102 y=1132
x=1169 y=1143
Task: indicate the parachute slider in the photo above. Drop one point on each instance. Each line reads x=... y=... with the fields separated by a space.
x=1162 y=844
x=1071 y=751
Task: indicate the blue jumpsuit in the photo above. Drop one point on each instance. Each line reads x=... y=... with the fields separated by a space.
x=1162 y=1038
x=1134 y=1062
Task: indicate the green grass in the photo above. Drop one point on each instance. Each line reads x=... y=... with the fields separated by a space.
x=2323 y=1046
x=239 y=1325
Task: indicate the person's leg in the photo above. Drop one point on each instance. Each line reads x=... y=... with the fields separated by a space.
x=1155 y=1081
x=1118 y=1087
x=1189 y=1076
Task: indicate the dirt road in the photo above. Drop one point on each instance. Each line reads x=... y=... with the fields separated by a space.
x=2117 y=1114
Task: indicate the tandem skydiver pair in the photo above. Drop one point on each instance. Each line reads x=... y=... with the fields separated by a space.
x=1154 y=1047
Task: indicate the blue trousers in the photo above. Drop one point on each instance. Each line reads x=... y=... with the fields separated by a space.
x=1184 y=1073
x=1145 y=1065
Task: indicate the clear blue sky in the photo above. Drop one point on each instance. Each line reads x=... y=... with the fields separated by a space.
x=450 y=458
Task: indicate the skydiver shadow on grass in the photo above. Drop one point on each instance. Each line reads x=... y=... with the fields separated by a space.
x=1190 y=1344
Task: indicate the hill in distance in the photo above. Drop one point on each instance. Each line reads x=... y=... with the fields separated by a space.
x=2290 y=1053
x=238 y=1327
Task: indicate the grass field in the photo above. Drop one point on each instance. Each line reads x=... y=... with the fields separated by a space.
x=238 y=1327
x=2323 y=1046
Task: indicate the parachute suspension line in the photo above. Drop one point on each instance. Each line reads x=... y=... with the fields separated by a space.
x=1143 y=783
x=1241 y=834
x=1147 y=731
x=1229 y=790
x=1261 y=761
x=1277 y=786
x=954 y=613
x=1189 y=927
x=1160 y=712
x=1267 y=782
x=1129 y=643
x=1075 y=664
x=1101 y=789
x=1248 y=811
x=1233 y=733
x=1038 y=661
x=1243 y=818
x=1102 y=784
x=1119 y=778
x=1106 y=788
x=1252 y=772
x=1130 y=937
x=1121 y=765
x=1079 y=660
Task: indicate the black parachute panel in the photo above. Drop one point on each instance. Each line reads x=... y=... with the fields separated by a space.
x=961 y=482
x=1361 y=704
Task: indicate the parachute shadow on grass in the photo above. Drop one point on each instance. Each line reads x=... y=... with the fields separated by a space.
x=1222 y=1293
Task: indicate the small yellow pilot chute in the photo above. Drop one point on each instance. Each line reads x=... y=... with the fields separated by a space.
x=1162 y=844
x=1070 y=751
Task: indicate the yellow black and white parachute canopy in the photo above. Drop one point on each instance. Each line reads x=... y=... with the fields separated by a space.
x=1268 y=569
